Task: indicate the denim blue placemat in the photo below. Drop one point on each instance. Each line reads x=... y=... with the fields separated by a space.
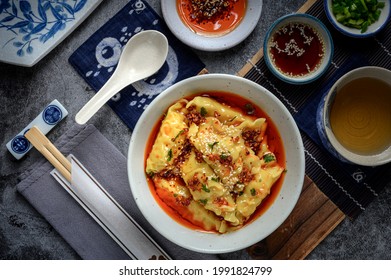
x=96 y=59
x=350 y=187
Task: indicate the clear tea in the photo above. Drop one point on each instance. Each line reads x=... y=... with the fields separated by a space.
x=360 y=116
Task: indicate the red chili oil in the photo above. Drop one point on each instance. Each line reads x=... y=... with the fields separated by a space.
x=211 y=21
x=296 y=49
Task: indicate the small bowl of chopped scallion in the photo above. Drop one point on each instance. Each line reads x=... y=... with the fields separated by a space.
x=358 y=18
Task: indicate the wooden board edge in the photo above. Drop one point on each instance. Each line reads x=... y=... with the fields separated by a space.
x=203 y=71
x=306 y=248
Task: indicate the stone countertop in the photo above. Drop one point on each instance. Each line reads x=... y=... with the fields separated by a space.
x=24 y=234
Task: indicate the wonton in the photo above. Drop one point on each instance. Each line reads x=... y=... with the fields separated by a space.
x=211 y=163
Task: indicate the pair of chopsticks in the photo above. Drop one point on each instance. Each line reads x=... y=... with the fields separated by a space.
x=49 y=151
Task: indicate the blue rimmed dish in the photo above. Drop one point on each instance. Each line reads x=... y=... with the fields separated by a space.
x=373 y=29
x=298 y=48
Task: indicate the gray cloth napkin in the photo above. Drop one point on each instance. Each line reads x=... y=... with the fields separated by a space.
x=68 y=218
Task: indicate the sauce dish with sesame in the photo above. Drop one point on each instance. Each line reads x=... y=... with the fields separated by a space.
x=298 y=48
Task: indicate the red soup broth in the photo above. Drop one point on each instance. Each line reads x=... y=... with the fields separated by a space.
x=275 y=144
x=218 y=24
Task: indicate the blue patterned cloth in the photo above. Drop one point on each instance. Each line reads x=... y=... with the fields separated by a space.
x=96 y=59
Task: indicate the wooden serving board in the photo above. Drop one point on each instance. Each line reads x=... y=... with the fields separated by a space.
x=313 y=218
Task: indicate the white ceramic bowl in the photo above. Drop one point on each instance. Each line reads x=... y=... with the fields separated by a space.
x=356 y=33
x=339 y=150
x=263 y=225
x=322 y=32
x=218 y=43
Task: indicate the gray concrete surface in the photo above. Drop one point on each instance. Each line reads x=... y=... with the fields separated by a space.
x=24 y=234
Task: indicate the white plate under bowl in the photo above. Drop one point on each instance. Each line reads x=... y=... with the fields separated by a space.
x=229 y=40
x=32 y=28
x=258 y=229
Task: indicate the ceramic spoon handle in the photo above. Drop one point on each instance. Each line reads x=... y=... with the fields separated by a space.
x=112 y=86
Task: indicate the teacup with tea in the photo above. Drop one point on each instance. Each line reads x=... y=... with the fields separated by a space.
x=357 y=116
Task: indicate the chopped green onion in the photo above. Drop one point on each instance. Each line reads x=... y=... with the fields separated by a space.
x=224 y=156
x=203 y=201
x=253 y=192
x=250 y=110
x=269 y=158
x=179 y=133
x=205 y=188
x=212 y=145
x=231 y=120
x=359 y=14
x=203 y=112
x=169 y=155
x=215 y=179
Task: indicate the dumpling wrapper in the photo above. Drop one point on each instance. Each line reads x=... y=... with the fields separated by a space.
x=178 y=197
x=169 y=140
x=206 y=189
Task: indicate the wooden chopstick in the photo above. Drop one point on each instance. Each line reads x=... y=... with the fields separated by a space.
x=49 y=151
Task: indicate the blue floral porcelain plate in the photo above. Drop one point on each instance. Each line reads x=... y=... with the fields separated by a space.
x=30 y=29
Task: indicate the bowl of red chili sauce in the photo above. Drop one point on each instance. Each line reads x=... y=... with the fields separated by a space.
x=213 y=25
x=298 y=48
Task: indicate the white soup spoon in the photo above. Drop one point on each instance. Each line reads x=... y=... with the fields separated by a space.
x=143 y=55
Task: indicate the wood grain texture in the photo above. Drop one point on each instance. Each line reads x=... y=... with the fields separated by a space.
x=313 y=218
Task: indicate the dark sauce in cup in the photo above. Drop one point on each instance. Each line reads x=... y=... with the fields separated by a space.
x=296 y=49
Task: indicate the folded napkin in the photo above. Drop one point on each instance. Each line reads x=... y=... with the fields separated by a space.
x=96 y=59
x=68 y=218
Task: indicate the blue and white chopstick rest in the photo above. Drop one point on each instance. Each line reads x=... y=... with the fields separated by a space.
x=45 y=121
